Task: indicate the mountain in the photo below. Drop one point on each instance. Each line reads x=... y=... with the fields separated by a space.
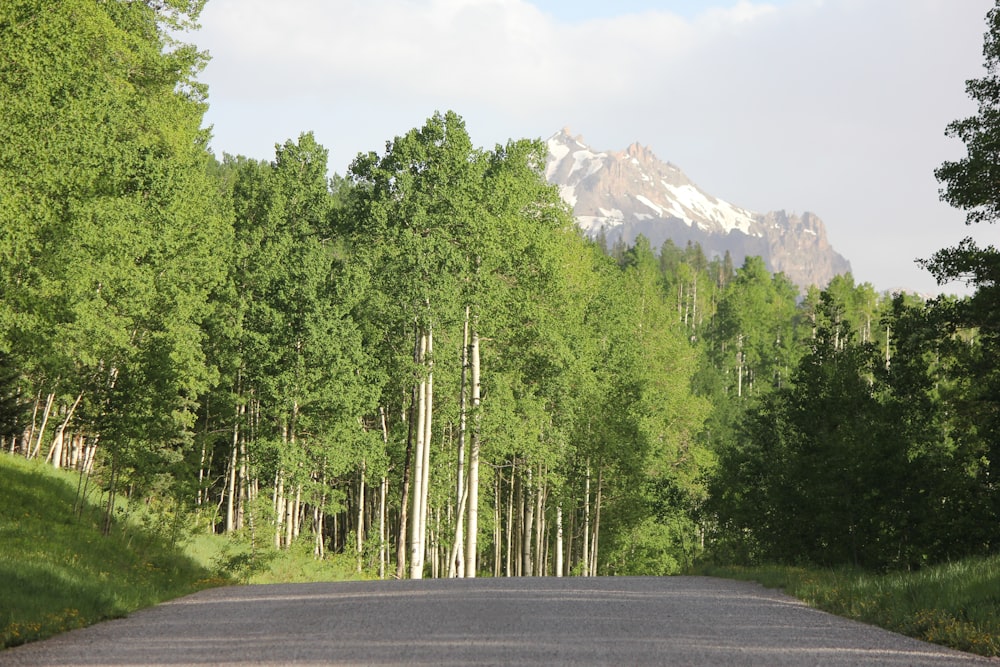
x=631 y=192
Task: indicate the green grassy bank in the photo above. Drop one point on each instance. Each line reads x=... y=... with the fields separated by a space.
x=59 y=572
x=955 y=604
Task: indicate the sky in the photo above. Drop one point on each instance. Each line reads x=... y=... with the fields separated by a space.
x=837 y=107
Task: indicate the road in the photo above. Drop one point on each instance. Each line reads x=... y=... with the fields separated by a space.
x=538 y=621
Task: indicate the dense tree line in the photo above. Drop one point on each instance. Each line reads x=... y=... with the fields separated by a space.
x=420 y=364
x=424 y=366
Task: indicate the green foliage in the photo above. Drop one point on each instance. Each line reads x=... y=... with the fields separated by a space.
x=654 y=547
x=971 y=183
x=872 y=455
x=111 y=236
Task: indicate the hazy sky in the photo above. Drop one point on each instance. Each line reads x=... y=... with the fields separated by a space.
x=832 y=106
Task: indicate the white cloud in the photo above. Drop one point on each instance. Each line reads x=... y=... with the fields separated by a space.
x=743 y=13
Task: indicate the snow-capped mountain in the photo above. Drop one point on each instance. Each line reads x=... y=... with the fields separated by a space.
x=631 y=192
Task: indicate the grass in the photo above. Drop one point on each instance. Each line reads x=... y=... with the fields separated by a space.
x=59 y=572
x=954 y=604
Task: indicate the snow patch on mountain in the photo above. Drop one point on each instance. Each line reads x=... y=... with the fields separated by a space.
x=617 y=195
x=636 y=173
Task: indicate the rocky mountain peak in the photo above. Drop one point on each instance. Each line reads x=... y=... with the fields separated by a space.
x=621 y=194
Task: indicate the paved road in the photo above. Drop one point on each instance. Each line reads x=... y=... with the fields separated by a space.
x=546 y=621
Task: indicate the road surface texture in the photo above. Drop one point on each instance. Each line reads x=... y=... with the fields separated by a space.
x=536 y=621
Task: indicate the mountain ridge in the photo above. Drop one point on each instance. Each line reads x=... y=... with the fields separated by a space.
x=621 y=194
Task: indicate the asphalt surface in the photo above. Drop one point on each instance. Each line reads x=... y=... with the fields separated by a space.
x=538 y=621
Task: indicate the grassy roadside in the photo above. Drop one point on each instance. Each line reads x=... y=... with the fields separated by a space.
x=955 y=604
x=59 y=572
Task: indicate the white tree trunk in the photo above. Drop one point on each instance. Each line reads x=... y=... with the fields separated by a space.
x=509 y=535
x=416 y=521
x=434 y=544
x=540 y=529
x=41 y=429
x=382 y=509
x=29 y=432
x=279 y=507
x=318 y=537
x=527 y=528
x=586 y=524
x=472 y=534
x=428 y=423
x=382 y=533
x=359 y=541
x=294 y=516
x=231 y=483
x=559 y=540
x=56 y=450
x=90 y=453
x=456 y=564
x=597 y=525
x=497 y=527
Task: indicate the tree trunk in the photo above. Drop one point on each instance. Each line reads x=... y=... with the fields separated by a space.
x=382 y=509
x=416 y=546
x=359 y=540
x=497 y=526
x=405 y=492
x=585 y=557
x=456 y=565
x=41 y=429
x=279 y=507
x=319 y=519
x=472 y=534
x=418 y=521
x=528 y=527
x=112 y=490
x=75 y=451
x=559 y=540
x=540 y=528
x=29 y=433
x=242 y=492
x=597 y=524
x=428 y=423
x=231 y=483
x=294 y=516
x=509 y=536
x=519 y=530
x=382 y=532
x=56 y=450
x=435 y=544
x=90 y=453
x=455 y=562
x=739 y=358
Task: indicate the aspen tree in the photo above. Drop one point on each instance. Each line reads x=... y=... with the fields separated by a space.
x=121 y=182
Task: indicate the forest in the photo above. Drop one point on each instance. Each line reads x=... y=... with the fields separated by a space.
x=422 y=364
